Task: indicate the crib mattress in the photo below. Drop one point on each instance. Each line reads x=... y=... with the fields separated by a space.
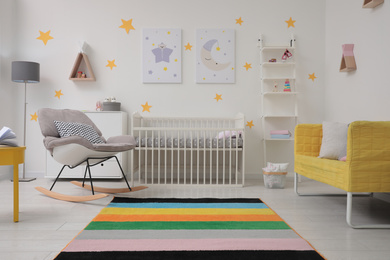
x=189 y=143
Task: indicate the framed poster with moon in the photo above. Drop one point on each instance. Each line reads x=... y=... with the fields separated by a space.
x=161 y=57
x=215 y=56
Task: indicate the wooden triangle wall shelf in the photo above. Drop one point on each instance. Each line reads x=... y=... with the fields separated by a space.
x=76 y=67
x=372 y=3
x=348 y=59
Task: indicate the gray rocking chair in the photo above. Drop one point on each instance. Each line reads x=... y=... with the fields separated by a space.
x=73 y=140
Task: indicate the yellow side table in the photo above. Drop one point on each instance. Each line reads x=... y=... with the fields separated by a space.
x=13 y=156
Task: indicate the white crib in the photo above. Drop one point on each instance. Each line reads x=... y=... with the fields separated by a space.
x=181 y=150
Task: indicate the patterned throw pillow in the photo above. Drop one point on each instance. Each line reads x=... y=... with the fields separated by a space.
x=66 y=129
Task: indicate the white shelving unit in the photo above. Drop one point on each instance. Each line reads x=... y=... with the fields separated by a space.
x=110 y=123
x=279 y=107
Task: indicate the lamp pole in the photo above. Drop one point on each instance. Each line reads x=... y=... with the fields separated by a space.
x=24 y=179
x=25 y=72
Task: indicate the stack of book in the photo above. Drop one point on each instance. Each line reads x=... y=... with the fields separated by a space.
x=280 y=134
x=7 y=137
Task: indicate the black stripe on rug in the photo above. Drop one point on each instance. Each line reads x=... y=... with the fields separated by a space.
x=186 y=200
x=193 y=255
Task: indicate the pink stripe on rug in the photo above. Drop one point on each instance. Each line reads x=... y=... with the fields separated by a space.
x=186 y=244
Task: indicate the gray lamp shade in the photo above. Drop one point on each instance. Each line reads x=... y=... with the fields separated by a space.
x=25 y=71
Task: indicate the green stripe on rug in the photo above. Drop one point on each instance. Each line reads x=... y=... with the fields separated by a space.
x=161 y=225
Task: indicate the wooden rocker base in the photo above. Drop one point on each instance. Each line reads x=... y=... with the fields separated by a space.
x=60 y=196
x=108 y=190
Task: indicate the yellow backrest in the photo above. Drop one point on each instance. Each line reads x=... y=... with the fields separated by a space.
x=307 y=140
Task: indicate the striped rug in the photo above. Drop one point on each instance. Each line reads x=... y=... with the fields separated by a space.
x=151 y=228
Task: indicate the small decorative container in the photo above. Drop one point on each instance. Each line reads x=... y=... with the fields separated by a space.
x=274 y=180
x=111 y=106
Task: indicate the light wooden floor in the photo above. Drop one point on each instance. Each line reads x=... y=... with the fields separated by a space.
x=47 y=225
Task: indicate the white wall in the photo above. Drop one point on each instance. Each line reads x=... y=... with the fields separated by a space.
x=362 y=94
x=97 y=22
x=9 y=93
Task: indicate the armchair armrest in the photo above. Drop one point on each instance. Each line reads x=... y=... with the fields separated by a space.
x=368 y=153
x=307 y=139
x=129 y=139
x=119 y=143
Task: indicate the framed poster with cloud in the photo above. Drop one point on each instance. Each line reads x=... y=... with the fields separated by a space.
x=215 y=56
x=161 y=56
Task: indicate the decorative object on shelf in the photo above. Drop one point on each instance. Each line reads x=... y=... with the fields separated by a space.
x=161 y=55
x=99 y=106
x=110 y=104
x=348 y=59
x=272 y=60
x=25 y=72
x=215 y=61
x=82 y=70
x=275 y=87
x=372 y=3
x=287 y=87
x=286 y=55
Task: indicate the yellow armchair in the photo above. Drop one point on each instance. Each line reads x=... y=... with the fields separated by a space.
x=366 y=169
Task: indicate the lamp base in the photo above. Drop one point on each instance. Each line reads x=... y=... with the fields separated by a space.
x=26 y=179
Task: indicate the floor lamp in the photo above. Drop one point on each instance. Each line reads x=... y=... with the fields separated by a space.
x=25 y=72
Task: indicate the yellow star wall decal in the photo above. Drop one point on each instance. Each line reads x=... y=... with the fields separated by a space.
x=188 y=47
x=45 y=37
x=250 y=123
x=247 y=66
x=111 y=64
x=218 y=97
x=290 y=22
x=312 y=76
x=239 y=21
x=34 y=117
x=146 y=107
x=58 y=94
x=127 y=25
